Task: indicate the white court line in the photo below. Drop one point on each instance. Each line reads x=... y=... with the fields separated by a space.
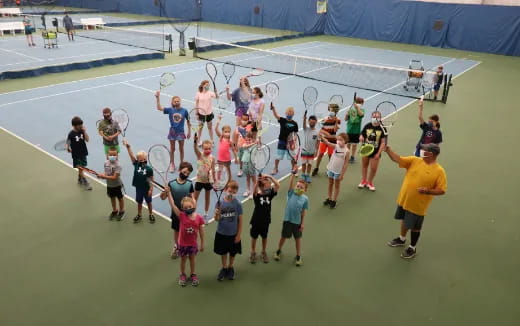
x=70 y=166
x=21 y=54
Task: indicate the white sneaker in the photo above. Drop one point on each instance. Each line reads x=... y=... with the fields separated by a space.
x=240 y=173
x=246 y=194
x=371 y=187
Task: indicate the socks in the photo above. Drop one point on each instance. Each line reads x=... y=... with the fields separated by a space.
x=402 y=238
x=415 y=238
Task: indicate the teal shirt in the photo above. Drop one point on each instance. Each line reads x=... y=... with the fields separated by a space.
x=295 y=205
x=142 y=175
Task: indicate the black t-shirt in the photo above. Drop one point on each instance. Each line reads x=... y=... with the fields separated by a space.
x=76 y=140
x=286 y=127
x=373 y=134
x=429 y=135
x=262 y=211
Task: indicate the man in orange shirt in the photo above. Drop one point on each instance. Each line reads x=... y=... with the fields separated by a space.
x=424 y=179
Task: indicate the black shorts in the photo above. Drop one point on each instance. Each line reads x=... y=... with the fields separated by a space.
x=411 y=221
x=79 y=161
x=115 y=192
x=374 y=153
x=225 y=244
x=175 y=222
x=353 y=138
x=259 y=230
x=291 y=230
x=206 y=118
x=200 y=185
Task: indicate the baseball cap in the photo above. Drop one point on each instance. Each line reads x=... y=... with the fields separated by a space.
x=433 y=148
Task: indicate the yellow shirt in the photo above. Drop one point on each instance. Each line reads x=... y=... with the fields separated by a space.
x=419 y=174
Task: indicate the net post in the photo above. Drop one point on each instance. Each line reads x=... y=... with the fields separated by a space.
x=447 y=92
x=294 y=67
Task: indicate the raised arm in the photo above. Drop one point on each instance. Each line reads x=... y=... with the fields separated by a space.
x=217 y=126
x=291 y=181
x=195 y=147
x=158 y=101
x=275 y=114
x=130 y=153
x=421 y=107
x=174 y=207
x=305 y=119
x=276 y=184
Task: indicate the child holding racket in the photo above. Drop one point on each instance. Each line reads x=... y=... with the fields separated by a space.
x=142 y=181
x=310 y=145
x=328 y=130
x=373 y=134
x=239 y=138
x=228 y=214
x=112 y=175
x=203 y=102
x=190 y=225
x=354 y=117
x=266 y=188
x=336 y=168
x=180 y=188
x=295 y=210
x=77 y=146
x=287 y=125
x=225 y=146
x=109 y=130
x=248 y=167
x=205 y=171
x=241 y=98
x=256 y=107
x=431 y=133
x=178 y=116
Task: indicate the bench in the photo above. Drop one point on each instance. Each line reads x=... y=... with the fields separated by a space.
x=92 y=22
x=10 y=12
x=11 y=27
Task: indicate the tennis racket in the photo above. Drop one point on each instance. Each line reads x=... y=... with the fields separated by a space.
x=293 y=145
x=366 y=150
x=167 y=79
x=310 y=96
x=195 y=121
x=321 y=111
x=211 y=70
x=108 y=129
x=260 y=156
x=61 y=145
x=220 y=180
x=228 y=69
x=336 y=99
x=158 y=185
x=256 y=72
x=388 y=110
x=122 y=119
x=267 y=121
x=223 y=102
x=159 y=159
x=84 y=169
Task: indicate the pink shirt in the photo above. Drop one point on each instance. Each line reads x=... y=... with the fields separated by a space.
x=205 y=105
x=189 y=229
x=223 y=154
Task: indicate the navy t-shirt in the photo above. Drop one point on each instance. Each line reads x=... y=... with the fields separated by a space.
x=78 y=146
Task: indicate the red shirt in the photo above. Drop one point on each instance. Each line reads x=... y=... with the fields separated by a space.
x=189 y=229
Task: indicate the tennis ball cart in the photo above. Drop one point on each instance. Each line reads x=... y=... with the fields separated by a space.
x=50 y=39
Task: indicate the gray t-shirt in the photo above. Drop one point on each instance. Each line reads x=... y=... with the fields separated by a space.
x=229 y=213
x=109 y=129
x=111 y=168
x=67 y=22
x=310 y=139
x=235 y=97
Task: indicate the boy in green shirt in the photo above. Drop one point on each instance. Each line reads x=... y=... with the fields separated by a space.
x=354 y=117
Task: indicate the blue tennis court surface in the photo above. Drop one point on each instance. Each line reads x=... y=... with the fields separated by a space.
x=42 y=115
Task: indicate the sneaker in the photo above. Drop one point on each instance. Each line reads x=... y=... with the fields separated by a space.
x=362 y=184
x=182 y=280
x=408 y=253
x=240 y=173
x=121 y=215
x=86 y=185
x=112 y=215
x=332 y=204
x=80 y=181
x=351 y=160
x=151 y=217
x=137 y=219
x=397 y=242
x=274 y=172
x=371 y=187
x=298 y=261
x=230 y=273
x=265 y=258
x=246 y=194
x=277 y=255
x=172 y=168
x=252 y=258
x=194 y=280
x=315 y=172
x=222 y=274
x=326 y=202
x=308 y=179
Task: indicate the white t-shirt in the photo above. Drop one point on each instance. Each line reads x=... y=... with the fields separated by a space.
x=205 y=104
x=338 y=158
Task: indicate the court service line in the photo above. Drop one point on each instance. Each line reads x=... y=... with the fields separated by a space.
x=23 y=55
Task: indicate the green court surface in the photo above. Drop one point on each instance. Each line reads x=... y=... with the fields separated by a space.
x=63 y=263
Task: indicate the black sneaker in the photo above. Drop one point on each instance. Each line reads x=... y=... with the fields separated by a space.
x=137 y=219
x=408 y=253
x=326 y=202
x=222 y=274
x=121 y=215
x=86 y=184
x=230 y=274
x=332 y=204
x=397 y=242
x=315 y=172
x=112 y=215
x=151 y=218
x=351 y=159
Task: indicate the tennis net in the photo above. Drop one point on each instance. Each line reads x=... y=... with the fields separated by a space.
x=131 y=37
x=399 y=81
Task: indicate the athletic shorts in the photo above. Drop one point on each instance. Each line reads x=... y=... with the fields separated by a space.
x=259 y=230
x=332 y=175
x=225 y=244
x=175 y=222
x=173 y=135
x=203 y=185
x=353 y=138
x=107 y=148
x=115 y=192
x=282 y=153
x=411 y=221
x=436 y=87
x=291 y=230
x=226 y=164
x=240 y=153
x=324 y=148
x=187 y=251
x=307 y=158
x=79 y=161
x=248 y=169
x=141 y=194
x=206 y=118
